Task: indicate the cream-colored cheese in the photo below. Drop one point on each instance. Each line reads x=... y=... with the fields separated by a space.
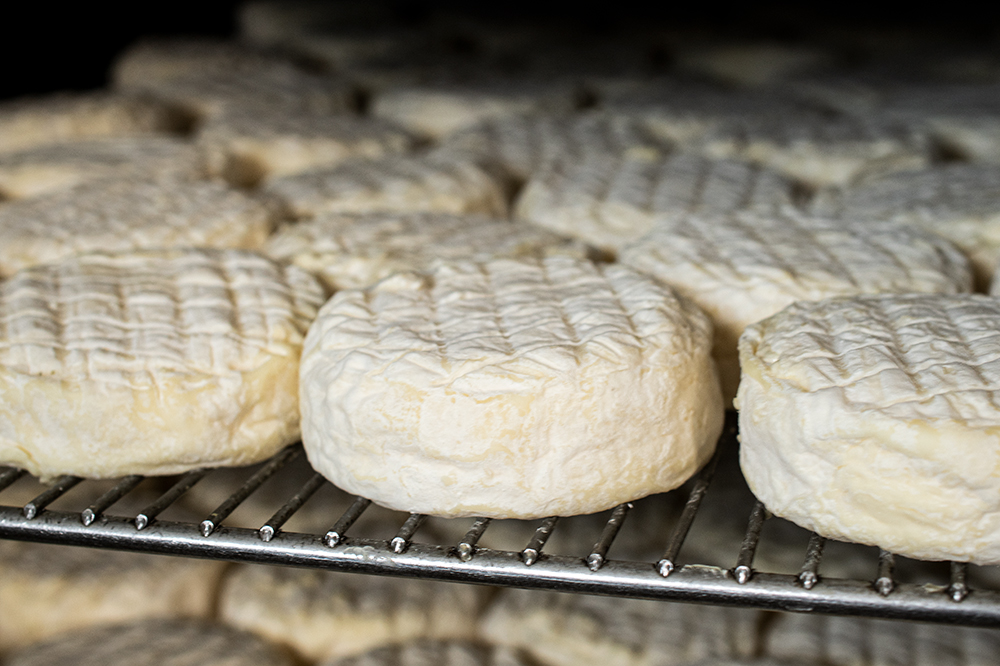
x=48 y=169
x=518 y=146
x=356 y=251
x=876 y=419
x=571 y=629
x=960 y=202
x=392 y=184
x=150 y=363
x=743 y=268
x=246 y=147
x=509 y=388
x=47 y=590
x=40 y=121
x=331 y=615
x=153 y=643
x=122 y=214
x=610 y=201
x=854 y=641
x=438 y=110
x=438 y=653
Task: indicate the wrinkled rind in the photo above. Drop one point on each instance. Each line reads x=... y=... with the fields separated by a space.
x=151 y=363
x=874 y=420
x=509 y=389
x=743 y=268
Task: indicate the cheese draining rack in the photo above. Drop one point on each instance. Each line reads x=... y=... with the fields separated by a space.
x=670 y=577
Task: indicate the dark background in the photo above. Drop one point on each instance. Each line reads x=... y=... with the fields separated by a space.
x=52 y=46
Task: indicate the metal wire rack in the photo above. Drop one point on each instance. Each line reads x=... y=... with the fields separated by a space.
x=667 y=578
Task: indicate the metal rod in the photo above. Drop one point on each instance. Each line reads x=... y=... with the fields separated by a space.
x=184 y=484
x=224 y=510
x=958 y=590
x=809 y=575
x=120 y=489
x=534 y=548
x=58 y=489
x=600 y=551
x=340 y=528
x=668 y=562
x=275 y=523
x=9 y=475
x=401 y=541
x=467 y=546
x=884 y=583
x=744 y=562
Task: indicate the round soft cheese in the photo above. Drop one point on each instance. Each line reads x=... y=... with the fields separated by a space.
x=122 y=214
x=328 y=614
x=153 y=643
x=356 y=251
x=510 y=389
x=151 y=363
x=743 y=268
x=876 y=419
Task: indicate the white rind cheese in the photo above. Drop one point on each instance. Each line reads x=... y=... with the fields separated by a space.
x=571 y=629
x=392 y=184
x=438 y=653
x=331 y=615
x=609 y=201
x=47 y=591
x=743 y=268
x=356 y=251
x=246 y=147
x=511 y=389
x=150 y=363
x=875 y=419
x=960 y=202
x=852 y=641
x=48 y=169
x=153 y=643
x=123 y=214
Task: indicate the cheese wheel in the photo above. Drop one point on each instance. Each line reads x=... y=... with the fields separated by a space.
x=247 y=146
x=153 y=643
x=960 y=202
x=873 y=419
x=47 y=590
x=510 y=389
x=743 y=268
x=609 y=201
x=439 y=653
x=42 y=121
x=49 y=169
x=855 y=641
x=122 y=214
x=151 y=363
x=570 y=629
x=392 y=184
x=330 y=615
x=356 y=251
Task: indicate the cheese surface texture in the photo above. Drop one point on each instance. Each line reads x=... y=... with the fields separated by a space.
x=609 y=201
x=329 y=615
x=355 y=251
x=123 y=214
x=439 y=653
x=150 y=363
x=153 y=643
x=960 y=202
x=510 y=388
x=874 y=419
x=392 y=184
x=570 y=629
x=743 y=268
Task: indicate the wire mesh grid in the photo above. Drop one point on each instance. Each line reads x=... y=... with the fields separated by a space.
x=691 y=542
